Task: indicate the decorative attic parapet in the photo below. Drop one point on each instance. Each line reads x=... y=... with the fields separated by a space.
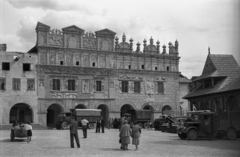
x=151 y=48
x=105 y=40
x=123 y=46
x=89 y=41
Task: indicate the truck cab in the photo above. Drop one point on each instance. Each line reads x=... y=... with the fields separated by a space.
x=200 y=123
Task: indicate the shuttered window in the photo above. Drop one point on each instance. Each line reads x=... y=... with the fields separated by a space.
x=137 y=87
x=160 y=87
x=56 y=84
x=71 y=85
x=125 y=86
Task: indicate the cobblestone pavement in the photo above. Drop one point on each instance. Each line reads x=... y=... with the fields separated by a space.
x=153 y=143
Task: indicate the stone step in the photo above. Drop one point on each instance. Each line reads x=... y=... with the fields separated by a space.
x=35 y=127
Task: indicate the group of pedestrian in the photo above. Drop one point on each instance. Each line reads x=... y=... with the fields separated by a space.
x=126 y=132
x=100 y=123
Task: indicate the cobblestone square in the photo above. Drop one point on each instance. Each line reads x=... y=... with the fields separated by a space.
x=153 y=143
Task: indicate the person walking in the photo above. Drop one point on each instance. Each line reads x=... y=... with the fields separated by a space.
x=29 y=132
x=98 y=126
x=74 y=133
x=102 y=124
x=84 y=127
x=136 y=133
x=124 y=134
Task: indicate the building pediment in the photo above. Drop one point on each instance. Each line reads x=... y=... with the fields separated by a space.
x=105 y=32
x=73 y=28
x=41 y=26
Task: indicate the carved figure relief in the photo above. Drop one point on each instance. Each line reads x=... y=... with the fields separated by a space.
x=120 y=65
x=43 y=58
x=149 y=87
x=102 y=61
x=86 y=86
x=69 y=59
x=55 y=37
x=114 y=64
x=52 y=57
x=89 y=41
x=85 y=61
x=60 y=56
x=72 y=42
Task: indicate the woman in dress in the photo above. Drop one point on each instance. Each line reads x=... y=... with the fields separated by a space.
x=136 y=133
x=125 y=133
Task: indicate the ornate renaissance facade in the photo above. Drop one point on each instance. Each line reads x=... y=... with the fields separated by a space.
x=75 y=69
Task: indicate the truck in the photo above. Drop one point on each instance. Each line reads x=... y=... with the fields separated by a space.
x=78 y=114
x=221 y=124
x=142 y=117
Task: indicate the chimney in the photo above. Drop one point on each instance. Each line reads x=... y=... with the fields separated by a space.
x=3 y=47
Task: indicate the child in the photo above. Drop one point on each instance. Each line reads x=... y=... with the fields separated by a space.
x=29 y=132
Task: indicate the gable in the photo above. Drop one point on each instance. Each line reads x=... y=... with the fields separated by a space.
x=105 y=32
x=209 y=66
x=73 y=28
x=42 y=26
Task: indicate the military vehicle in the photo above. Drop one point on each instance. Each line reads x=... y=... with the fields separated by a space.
x=78 y=114
x=219 y=125
x=19 y=131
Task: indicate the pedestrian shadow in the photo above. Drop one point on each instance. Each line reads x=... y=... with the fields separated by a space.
x=60 y=148
x=15 y=140
x=112 y=149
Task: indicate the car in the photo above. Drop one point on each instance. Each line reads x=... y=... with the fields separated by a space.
x=172 y=123
x=19 y=131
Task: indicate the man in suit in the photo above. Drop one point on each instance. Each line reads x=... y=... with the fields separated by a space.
x=74 y=133
x=102 y=124
x=84 y=127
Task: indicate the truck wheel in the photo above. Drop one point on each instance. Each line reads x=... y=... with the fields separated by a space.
x=64 y=125
x=192 y=134
x=231 y=134
x=91 y=126
x=12 y=136
x=182 y=136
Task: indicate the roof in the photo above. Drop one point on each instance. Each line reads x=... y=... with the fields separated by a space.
x=184 y=79
x=224 y=67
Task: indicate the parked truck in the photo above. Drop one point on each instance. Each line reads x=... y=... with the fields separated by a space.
x=142 y=117
x=78 y=114
x=219 y=125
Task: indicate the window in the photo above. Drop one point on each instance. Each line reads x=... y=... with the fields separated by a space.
x=129 y=66
x=61 y=62
x=142 y=66
x=26 y=67
x=137 y=87
x=156 y=68
x=98 y=85
x=93 y=64
x=125 y=86
x=160 y=87
x=56 y=84
x=5 y=66
x=77 y=63
x=2 y=83
x=16 y=84
x=30 y=84
x=71 y=85
x=167 y=68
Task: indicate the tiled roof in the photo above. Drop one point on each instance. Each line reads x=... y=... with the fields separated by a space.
x=227 y=68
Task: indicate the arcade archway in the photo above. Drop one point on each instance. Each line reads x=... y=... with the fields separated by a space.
x=53 y=112
x=216 y=105
x=166 y=110
x=204 y=105
x=80 y=106
x=21 y=113
x=125 y=108
x=104 y=112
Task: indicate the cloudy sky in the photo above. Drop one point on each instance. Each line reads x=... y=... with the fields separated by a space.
x=196 y=24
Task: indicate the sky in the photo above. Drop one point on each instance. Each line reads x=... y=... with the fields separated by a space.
x=196 y=24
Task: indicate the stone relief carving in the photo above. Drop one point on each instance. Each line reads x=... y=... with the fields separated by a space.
x=69 y=59
x=102 y=61
x=41 y=83
x=42 y=39
x=55 y=37
x=52 y=57
x=149 y=87
x=43 y=58
x=85 y=86
x=160 y=79
x=120 y=65
x=89 y=41
x=61 y=56
x=85 y=60
x=125 y=77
